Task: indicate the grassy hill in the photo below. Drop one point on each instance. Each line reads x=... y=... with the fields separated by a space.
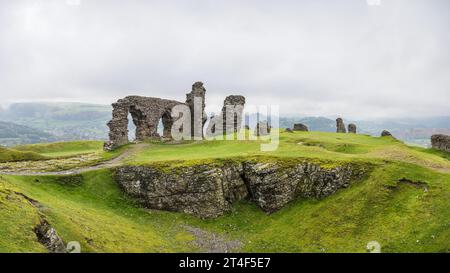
x=403 y=204
x=57 y=149
x=11 y=155
x=14 y=134
x=66 y=121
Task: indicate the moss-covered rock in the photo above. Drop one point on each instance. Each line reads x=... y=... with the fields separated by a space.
x=209 y=189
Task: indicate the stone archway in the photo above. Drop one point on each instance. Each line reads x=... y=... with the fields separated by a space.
x=146 y=113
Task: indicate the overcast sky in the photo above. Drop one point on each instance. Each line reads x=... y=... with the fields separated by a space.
x=318 y=57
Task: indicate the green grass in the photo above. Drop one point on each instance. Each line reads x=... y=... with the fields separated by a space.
x=93 y=210
x=318 y=145
x=12 y=155
x=63 y=149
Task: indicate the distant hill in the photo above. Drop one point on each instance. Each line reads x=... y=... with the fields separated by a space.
x=65 y=121
x=320 y=124
x=83 y=121
x=14 y=134
x=411 y=130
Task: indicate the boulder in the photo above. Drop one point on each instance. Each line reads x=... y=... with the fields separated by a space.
x=386 y=133
x=300 y=127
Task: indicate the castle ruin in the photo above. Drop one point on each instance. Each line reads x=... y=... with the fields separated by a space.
x=146 y=112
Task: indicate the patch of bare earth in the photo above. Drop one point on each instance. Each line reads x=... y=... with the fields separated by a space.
x=210 y=242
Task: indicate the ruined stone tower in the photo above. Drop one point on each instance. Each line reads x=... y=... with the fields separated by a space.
x=232 y=110
x=340 y=126
x=196 y=102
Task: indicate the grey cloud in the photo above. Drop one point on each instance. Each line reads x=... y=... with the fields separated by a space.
x=311 y=57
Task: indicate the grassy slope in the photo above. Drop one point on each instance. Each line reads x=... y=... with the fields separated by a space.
x=403 y=218
x=328 y=146
x=61 y=150
x=58 y=149
x=11 y=155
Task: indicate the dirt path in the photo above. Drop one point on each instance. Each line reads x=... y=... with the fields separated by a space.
x=106 y=164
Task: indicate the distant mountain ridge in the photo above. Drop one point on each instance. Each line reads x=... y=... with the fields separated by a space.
x=411 y=130
x=65 y=121
x=13 y=134
x=84 y=121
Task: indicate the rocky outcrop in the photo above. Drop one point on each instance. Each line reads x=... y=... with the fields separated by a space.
x=386 y=133
x=441 y=142
x=289 y=130
x=352 y=128
x=340 y=126
x=300 y=127
x=208 y=190
x=48 y=236
x=202 y=190
x=273 y=185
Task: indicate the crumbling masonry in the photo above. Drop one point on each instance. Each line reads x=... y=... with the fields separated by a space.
x=147 y=111
x=441 y=142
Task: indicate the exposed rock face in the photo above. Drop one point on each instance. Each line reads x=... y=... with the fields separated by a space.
x=352 y=128
x=272 y=185
x=262 y=128
x=289 y=130
x=202 y=190
x=198 y=115
x=146 y=113
x=300 y=127
x=49 y=238
x=340 y=126
x=386 y=133
x=441 y=142
x=209 y=190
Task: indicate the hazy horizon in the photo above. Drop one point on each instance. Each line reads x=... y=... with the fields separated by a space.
x=313 y=58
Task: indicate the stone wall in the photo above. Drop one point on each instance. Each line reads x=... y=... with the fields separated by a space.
x=262 y=128
x=208 y=190
x=232 y=111
x=441 y=142
x=352 y=128
x=340 y=126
